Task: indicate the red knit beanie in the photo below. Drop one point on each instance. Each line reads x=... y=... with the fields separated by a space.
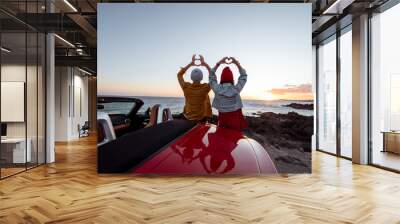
x=226 y=76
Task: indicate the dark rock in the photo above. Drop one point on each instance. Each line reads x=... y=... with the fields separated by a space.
x=286 y=137
x=300 y=106
x=280 y=128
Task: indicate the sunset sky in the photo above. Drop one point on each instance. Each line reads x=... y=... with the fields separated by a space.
x=142 y=46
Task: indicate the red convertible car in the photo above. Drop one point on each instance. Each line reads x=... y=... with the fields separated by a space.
x=153 y=142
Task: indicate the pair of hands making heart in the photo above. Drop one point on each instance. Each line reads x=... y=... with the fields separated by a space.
x=201 y=59
x=224 y=60
x=228 y=60
x=193 y=62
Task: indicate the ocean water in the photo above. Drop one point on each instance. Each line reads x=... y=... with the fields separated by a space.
x=250 y=107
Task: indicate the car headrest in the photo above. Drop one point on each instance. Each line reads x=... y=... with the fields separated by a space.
x=106 y=127
x=154 y=115
x=167 y=115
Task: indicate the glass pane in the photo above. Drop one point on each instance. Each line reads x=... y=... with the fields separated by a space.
x=31 y=88
x=346 y=94
x=41 y=98
x=14 y=5
x=31 y=98
x=13 y=87
x=386 y=89
x=327 y=97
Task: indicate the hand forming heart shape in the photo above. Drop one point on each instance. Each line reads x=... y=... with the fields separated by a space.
x=228 y=60
x=197 y=62
x=196 y=59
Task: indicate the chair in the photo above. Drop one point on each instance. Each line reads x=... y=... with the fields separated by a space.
x=167 y=115
x=153 y=115
x=105 y=129
x=84 y=130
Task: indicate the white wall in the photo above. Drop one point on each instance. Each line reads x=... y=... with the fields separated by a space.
x=62 y=83
x=33 y=126
x=14 y=73
x=71 y=87
x=80 y=110
x=17 y=73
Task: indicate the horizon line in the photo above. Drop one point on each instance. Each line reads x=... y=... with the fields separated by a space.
x=138 y=96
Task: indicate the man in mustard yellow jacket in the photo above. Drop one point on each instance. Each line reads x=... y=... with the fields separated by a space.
x=197 y=102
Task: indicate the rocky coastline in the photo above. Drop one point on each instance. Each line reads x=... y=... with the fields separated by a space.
x=301 y=106
x=286 y=137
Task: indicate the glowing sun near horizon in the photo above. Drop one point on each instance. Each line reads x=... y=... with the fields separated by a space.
x=292 y=92
x=261 y=96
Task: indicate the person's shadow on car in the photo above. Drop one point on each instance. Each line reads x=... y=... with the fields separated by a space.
x=215 y=154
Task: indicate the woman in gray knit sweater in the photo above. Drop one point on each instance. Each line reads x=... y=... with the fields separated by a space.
x=227 y=98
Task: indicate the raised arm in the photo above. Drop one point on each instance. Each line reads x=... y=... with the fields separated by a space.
x=181 y=73
x=213 y=78
x=205 y=64
x=219 y=63
x=243 y=76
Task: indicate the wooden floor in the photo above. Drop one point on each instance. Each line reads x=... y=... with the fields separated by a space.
x=386 y=159
x=5 y=172
x=70 y=191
